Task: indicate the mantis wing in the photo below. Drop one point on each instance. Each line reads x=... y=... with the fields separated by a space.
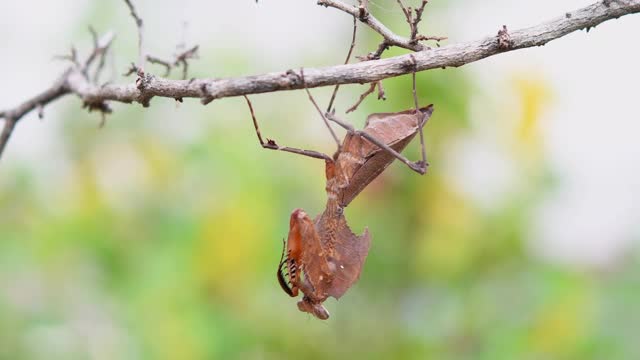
x=362 y=161
x=347 y=255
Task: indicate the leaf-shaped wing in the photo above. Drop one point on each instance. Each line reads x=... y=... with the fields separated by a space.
x=362 y=161
x=347 y=255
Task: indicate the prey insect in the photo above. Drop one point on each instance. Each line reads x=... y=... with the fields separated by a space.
x=323 y=257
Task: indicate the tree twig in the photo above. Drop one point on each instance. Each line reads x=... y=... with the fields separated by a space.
x=140 y=25
x=74 y=81
x=59 y=88
x=455 y=55
x=391 y=38
x=11 y=117
x=181 y=59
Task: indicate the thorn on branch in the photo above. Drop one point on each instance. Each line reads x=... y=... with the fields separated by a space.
x=504 y=39
x=40 y=108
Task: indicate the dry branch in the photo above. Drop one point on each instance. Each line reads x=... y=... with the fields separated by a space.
x=147 y=86
x=375 y=24
x=140 y=25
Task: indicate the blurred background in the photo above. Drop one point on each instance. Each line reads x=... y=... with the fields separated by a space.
x=158 y=236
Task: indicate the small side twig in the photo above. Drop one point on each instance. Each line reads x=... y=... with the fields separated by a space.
x=413 y=21
x=414 y=17
x=12 y=116
x=140 y=26
x=154 y=60
x=72 y=57
x=101 y=46
x=132 y=69
x=375 y=55
x=181 y=59
x=59 y=88
x=390 y=37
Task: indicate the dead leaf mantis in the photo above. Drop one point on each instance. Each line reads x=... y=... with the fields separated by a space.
x=324 y=257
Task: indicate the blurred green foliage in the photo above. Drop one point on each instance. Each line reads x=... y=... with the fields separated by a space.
x=161 y=237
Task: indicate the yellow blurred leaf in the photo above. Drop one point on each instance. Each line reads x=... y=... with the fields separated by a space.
x=534 y=95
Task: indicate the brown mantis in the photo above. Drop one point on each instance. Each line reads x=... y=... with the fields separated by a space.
x=324 y=257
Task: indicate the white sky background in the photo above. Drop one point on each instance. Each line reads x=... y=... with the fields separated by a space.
x=590 y=134
x=592 y=125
